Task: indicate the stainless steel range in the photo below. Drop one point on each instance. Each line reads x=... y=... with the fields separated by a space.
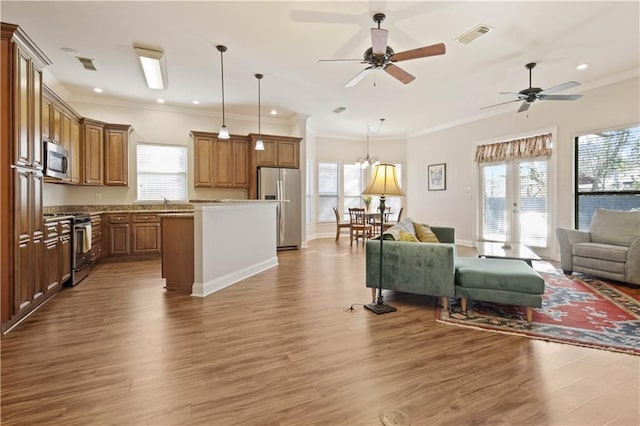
x=81 y=259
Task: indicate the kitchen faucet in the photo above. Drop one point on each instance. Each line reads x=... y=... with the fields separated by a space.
x=166 y=202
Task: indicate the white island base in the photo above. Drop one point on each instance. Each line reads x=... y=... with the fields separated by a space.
x=232 y=241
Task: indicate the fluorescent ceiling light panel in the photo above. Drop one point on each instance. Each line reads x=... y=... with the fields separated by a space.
x=153 y=66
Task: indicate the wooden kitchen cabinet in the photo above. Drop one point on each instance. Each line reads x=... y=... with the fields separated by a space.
x=46 y=118
x=65 y=228
x=92 y=151
x=145 y=234
x=202 y=155
x=52 y=263
x=178 y=251
x=119 y=240
x=116 y=154
x=230 y=163
x=96 y=237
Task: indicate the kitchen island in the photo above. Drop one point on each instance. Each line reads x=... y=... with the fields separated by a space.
x=233 y=240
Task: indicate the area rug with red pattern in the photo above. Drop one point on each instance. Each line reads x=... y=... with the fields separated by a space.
x=576 y=309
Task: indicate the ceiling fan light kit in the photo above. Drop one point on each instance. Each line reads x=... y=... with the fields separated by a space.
x=380 y=56
x=532 y=94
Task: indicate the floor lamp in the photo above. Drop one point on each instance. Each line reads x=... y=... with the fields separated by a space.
x=383 y=183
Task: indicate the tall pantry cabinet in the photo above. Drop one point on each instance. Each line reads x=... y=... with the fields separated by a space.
x=21 y=163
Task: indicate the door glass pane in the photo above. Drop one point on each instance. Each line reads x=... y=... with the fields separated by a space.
x=494 y=202
x=533 y=203
x=327 y=191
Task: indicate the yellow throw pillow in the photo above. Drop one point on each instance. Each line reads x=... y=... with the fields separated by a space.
x=405 y=236
x=424 y=233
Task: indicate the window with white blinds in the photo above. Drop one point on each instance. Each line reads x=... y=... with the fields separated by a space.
x=607 y=173
x=328 y=191
x=162 y=172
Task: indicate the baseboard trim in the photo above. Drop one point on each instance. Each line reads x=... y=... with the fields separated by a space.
x=211 y=286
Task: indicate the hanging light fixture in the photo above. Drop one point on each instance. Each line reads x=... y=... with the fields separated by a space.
x=224 y=132
x=365 y=162
x=259 y=144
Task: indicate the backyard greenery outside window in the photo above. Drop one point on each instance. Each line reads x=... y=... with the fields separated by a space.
x=607 y=172
x=162 y=172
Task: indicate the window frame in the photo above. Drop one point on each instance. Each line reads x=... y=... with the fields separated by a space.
x=186 y=172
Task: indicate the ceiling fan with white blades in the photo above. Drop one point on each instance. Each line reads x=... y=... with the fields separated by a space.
x=531 y=94
x=381 y=56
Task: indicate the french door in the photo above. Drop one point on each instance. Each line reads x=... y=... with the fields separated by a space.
x=514 y=202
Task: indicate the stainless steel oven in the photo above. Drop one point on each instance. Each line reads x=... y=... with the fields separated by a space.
x=81 y=247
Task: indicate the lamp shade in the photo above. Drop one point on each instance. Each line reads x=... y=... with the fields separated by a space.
x=384 y=181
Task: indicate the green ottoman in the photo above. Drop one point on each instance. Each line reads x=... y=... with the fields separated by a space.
x=507 y=281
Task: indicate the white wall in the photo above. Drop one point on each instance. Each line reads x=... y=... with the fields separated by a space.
x=605 y=107
x=156 y=124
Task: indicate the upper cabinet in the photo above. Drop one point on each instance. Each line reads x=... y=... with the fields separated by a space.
x=61 y=125
x=92 y=151
x=220 y=163
x=279 y=151
x=116 y=154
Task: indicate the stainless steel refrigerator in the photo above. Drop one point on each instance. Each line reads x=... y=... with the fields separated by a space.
x=283 y=185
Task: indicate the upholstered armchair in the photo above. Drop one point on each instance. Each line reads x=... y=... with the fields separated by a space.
x=610 y=249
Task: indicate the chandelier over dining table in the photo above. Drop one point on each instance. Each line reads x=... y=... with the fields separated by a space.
x=366 y=161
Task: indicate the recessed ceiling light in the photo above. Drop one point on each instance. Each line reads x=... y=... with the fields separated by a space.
x=160 y=100
x=97 y=90
x=582 y=66
x=195 y=102
x=274 y=112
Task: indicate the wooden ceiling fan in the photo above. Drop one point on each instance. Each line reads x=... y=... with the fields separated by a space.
x=381 y=56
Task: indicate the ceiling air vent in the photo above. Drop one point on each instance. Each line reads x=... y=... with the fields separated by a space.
x=474 y=33
x=339 y=110
x=87 y=63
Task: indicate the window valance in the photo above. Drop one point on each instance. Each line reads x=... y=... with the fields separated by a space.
x=533 y=146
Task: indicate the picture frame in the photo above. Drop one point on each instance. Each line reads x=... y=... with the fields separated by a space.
x=437 y=177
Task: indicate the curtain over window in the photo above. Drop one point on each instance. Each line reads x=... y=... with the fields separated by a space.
x=529 y=147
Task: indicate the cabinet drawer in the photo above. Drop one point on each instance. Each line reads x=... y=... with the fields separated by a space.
x=119 y=218
x=50 y=230
x=141 y=217
x=65 y=227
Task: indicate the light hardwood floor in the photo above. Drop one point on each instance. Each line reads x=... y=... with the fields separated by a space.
x=280 y=348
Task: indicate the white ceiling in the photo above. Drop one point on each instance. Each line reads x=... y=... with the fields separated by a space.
x=284 y=41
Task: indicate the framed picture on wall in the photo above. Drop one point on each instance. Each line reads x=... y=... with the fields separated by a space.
x=437 y=177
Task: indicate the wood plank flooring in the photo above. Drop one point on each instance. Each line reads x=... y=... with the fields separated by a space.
x=281 y=348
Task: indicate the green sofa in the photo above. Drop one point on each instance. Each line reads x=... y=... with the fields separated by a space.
x=434 y=269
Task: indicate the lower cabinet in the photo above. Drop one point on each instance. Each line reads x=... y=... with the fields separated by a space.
x=52 y=264
x=133 y=235
x=65 y=251
x=96 y=237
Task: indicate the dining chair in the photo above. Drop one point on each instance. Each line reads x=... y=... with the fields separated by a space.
x=359 y=226
x=390 y=224
x=340 y=224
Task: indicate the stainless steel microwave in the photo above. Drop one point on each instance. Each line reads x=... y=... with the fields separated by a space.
x=56 y=161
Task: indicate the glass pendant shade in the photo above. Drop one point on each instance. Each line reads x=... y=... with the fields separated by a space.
x=223 y=133
x=259 y=145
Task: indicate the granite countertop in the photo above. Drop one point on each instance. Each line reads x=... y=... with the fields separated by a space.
x=119 y=208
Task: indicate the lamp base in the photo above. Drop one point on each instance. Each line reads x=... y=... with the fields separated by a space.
x=380 y=308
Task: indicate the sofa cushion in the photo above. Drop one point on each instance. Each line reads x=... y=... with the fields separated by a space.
x=601 y=251
x=424 y=233
x=614 y=226
x=498 y=274
x=405 y=236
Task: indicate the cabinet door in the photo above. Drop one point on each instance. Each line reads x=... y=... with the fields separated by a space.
x=56 y=124
x=116 y=157
x=23 y=250
x=22 y=156
x=65 y=258
x=93 y=155
x=46 y=118
x=74 y=154
x=223 y=169
x=96 y=237
x=240 y=162
x=146 y=238
x=51 y=265
x=36 y=100
x=203 y=153
x=288 y=154
x=119 y=239
x=65 y=132
x=268 y=157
